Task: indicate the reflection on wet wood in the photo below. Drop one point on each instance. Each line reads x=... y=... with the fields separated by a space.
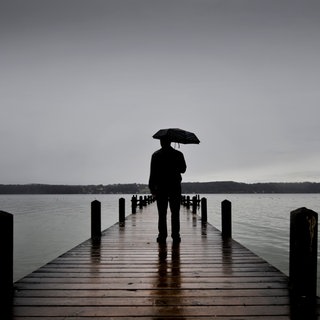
x=128 y=275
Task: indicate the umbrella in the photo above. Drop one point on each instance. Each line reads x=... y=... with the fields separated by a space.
x=177 y=135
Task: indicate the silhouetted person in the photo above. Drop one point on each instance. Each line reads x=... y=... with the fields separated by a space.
x=167 y=164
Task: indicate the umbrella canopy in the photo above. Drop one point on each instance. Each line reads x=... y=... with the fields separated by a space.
x=177 y=135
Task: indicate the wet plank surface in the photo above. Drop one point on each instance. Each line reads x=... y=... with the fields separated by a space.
x=128 y=276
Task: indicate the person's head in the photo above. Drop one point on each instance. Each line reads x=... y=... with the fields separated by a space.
x=165 y=142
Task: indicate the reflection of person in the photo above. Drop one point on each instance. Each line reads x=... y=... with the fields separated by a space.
x=168 y=284
x=167 y=164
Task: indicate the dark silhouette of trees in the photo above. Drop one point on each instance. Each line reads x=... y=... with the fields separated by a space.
x=187 y=188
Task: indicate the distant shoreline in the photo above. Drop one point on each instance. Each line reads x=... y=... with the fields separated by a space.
x=187 y=187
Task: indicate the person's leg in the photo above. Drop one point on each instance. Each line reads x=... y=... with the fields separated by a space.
x=162 y=204
x=175 y=217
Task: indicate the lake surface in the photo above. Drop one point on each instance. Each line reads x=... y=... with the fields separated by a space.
x=46 y=226
x=261 y=222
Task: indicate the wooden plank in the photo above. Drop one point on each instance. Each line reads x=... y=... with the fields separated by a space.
x=127 y=317
x=187 y=281
x=142 y=301
x=129 y=275
x=135 y=284
x=144 y=292
x=161 y=310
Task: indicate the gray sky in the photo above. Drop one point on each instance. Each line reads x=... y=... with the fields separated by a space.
x=84 y=84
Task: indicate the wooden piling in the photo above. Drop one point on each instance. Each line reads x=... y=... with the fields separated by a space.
x=303 y=253
x=134 y=201
x=226 y=219
x=122 y=213
x=6 y=263
x=188 y=202
x=194 y=204
x=140 y=202
x=95 y=220
x=204 y=217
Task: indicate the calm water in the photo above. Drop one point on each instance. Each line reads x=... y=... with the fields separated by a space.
x=261 y=222
x=48 y=225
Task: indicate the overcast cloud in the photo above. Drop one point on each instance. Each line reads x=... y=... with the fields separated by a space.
x=84 y=84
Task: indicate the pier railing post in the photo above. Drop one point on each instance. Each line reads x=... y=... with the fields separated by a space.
x=95 y=220
x=188 y=202
x=303 y=253
x=194 y=204
x=6 y=262
x=140 y=202
x=226 y=219
x=122 y=213
x=134 y=204
x=204 y=217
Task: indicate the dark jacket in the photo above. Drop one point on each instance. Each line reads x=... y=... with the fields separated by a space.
x=167 y=164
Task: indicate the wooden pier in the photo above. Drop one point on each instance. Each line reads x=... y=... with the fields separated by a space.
x=127 y=275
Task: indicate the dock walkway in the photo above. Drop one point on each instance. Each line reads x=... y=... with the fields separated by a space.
x=129 y=276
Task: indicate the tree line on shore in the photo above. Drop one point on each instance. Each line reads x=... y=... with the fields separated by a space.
x=187 y=188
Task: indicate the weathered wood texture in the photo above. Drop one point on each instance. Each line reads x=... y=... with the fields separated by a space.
x=128 y=276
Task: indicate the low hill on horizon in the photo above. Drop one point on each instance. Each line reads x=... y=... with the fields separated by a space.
x=187 y=187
